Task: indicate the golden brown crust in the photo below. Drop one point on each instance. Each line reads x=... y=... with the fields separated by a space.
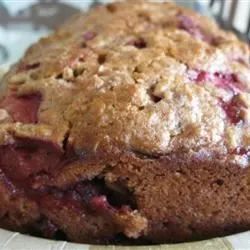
x=151 y=98
x=91 y=95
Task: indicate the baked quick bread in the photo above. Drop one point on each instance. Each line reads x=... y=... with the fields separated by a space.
x=128 y=125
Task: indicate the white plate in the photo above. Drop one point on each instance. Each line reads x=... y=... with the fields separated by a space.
x=16 y=241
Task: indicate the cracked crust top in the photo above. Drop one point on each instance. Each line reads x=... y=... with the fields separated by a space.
x=148 y=77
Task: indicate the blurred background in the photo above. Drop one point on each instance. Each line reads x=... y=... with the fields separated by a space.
x=22 y=22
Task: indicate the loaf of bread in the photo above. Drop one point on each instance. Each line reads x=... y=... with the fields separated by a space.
x=129 y=125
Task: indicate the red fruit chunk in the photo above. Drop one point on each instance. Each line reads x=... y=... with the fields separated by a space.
x=203 y=76
x=22 y=108
x=200 y=76
x=26 y=157
x=187 y=24
x=241 y=151
x=100 y=203
x=89 y=35
x=227 y=81
x=233 y=109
